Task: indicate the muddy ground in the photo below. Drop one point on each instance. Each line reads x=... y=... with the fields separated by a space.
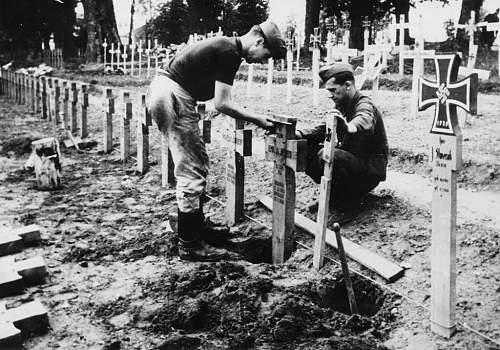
x=115 y=281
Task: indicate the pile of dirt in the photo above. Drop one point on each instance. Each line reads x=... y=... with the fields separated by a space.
x=224 y=304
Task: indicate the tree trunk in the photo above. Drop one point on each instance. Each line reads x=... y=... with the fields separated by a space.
x=311 y=20
x=100 y=21
x=132 y=11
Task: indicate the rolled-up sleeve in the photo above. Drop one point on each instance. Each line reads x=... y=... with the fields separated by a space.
x=364 y=116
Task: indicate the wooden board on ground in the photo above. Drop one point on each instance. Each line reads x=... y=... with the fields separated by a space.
x=15 y=275
x=389 y=270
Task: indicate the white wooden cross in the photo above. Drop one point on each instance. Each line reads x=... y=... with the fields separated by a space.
x=401 y=27
x=495 y=27
x=471 y=28
x=289 y=156
x=330 y=40
x=418 y=55
x=132 y=57
x=125 y=56
x=299 y=45
x=446 y=94
x=148 y=53
x=315 y=40
x=118 y=53
x=344 y=52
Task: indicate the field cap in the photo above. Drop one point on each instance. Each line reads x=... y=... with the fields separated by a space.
x=327 y=73
x=274 y=39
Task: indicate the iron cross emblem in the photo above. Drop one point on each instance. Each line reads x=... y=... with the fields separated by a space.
x=447 y=93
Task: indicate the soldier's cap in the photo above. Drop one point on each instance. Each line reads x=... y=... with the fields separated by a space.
x=274 y=39
x=335 y=70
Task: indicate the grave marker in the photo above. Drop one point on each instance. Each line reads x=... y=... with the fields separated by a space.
x=65 y=104
x=104 y=45
x=125 y=127
x=446 y=93
x=109 y=107
x=112 y=52
x=289 y=156
x=238 y=145
x=57 y=102
x=325 y=189
x=315 y=41
x=269 y=86
x=140 y=50
x=289 y=67
x=16 y=323
x=46 y=160
x=471 y=28
x=18 y=274
x=402 y=26
x=143 y=124
x=83 y=114
x=74 y=107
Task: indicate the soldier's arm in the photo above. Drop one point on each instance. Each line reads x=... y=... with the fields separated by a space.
x=224 y=104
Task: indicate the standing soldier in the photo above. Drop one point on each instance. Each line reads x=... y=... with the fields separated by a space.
x=202 y=71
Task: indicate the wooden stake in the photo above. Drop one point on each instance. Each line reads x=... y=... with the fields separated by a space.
x=345 y=270
x=269 y=86
x=83 y=115
x=325 y=189
x=109 y=107
x=65 y=104
x=125 y=127
x=143 y=124
x=239 y=144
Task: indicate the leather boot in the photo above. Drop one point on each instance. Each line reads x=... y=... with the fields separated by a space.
x=191 y=246
x=215 y=234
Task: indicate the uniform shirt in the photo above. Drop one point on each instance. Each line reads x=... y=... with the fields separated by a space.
x=198 y=66
x=369 y=143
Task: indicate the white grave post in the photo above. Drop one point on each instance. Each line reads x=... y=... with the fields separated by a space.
x=118 y=55
x=289 y=67
x=157 y=53
x=330 y=40
x=104 y=45
x=112 y=54
x=299 y=46
x=125 y=56
x=315 y=41
x=148 y=53
x=132 y=54
x=366 y=41
x=446 y=94
x=140 y=50
x=269 y=86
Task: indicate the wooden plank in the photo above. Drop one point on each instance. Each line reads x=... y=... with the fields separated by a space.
x=143 y=123
x=74 y=107
x=324 y=193
x=125 y=127
x=387 y=269
x=109 y=107
x=83 y=115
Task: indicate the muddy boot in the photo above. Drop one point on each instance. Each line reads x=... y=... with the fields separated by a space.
x=215 y=234
x=191 y=246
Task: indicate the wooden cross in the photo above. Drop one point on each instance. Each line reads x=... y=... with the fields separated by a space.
x=126 y=117
x=132 y=57
x=325 y=189
x=401 y=27
x=289 y=156
x=471 y=28
x=50 y=101
x=238 y=144
x=345 y=52
x=118 y=53
x=419 y=54
x=43 y=96
x=446 y=93
x=299 y=44
x=315 y=40
x=148 y=53
x=57 y=102
x=17 y=323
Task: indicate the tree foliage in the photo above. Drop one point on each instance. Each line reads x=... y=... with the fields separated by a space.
x=176 y=19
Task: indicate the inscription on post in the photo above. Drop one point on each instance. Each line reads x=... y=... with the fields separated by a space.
x=446 y=93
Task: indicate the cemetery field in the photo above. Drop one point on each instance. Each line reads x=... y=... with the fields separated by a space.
x=115 y=281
